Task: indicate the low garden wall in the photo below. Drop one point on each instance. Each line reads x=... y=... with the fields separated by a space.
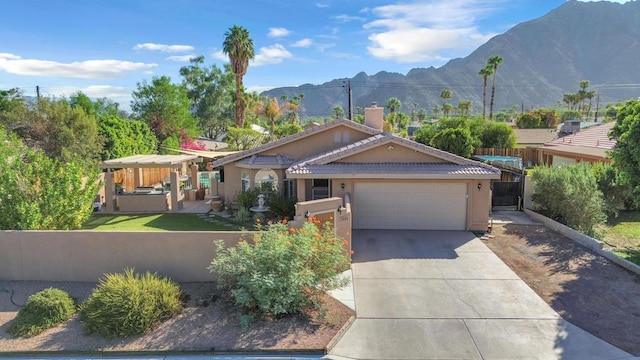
x=87 y=255
x=584 y=240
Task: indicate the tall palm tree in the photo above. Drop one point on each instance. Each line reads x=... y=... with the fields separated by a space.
x=446 y=94
x=485 y=72
x=393 y=104
x=494 y=61
x=239 y=46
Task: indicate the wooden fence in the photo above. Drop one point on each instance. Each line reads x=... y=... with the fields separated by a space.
x=150 y=177
x=530 y=156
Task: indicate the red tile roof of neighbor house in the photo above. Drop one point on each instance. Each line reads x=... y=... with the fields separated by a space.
x=593 y=141
x=535 y=136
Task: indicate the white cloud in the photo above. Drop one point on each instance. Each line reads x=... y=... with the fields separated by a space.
x=163 y=47
x=615 y=1
x=220 y=55
x=270 y=55
x=278 y=32
x=259 y=88
x=347 y=18
x=302 y=43
x=428 y=31
x=89 y=69
x=181 y=58
x=322 y=5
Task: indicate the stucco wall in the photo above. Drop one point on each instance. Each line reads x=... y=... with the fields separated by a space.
x=395 y=153
x=342 y=219
x=87 y=255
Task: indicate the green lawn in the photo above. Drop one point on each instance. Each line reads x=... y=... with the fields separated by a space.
x=158 y=222
x=622 y=234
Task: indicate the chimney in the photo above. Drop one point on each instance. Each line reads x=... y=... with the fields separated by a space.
x=374 y=116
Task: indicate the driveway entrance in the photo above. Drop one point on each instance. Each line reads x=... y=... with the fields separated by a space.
x=445 y=295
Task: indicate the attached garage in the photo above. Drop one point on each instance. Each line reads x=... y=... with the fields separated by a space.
x=410 y=205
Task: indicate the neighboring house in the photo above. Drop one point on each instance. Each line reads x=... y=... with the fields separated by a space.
x=534 y=137
x=393 y=183
x=591 y=145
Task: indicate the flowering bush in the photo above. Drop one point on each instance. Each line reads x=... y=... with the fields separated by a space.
x=282 y=270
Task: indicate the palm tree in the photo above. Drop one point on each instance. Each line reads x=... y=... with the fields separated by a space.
x=393 y=104
x=446 y=95
x=494 y=62
x=485 y=72
x=239 y=46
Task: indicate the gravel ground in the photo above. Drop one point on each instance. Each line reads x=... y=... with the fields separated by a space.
x=584 y=288
x=198 y=328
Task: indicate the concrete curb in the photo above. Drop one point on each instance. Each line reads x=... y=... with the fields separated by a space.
x=212 y=354
x=339 y=335
x=584 y=240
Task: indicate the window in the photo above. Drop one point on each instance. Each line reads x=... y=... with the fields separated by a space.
x=290 y=189
x=246 y=183
x=341 y=137
x=320 y=189
x=267 y=180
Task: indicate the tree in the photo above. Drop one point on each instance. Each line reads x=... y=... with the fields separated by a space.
x=538 y=119
x=125 y=137
x=458 y=141
x=464 y=106
x=338 y=112
x=425 y=134
x=626 y=152
x=242 y=138
x=498 y=135
x=485 y=72
x=38 y=192
x=10 y=99
x=393 y=104
x=272 y=110
x=447 y=109
x=211 y=91
x=421 y=114
x=165 y=107
x=494 y=61
x=238 y=45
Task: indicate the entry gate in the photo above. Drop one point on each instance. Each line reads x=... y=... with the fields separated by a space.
x=506 y=193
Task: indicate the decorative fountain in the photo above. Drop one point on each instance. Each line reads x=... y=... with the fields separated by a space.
x=261 y=208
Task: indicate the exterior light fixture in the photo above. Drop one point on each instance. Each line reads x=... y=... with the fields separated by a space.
x=341 y=209
x=307 y=214
x=342 y=186
x=479 y=186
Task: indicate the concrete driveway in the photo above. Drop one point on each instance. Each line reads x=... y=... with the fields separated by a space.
x=445 y=295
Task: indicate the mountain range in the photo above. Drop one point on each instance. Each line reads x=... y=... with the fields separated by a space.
x=544 y=59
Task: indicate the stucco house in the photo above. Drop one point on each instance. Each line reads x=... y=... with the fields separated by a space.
x=392 y=182
x=590 y=144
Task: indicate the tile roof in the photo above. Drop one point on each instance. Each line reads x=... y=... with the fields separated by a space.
x=535 y=136
x=594 y=136
x=308 y=132
x=267 y=160
x=577 y=150
x=440 y=170
x=147 y=161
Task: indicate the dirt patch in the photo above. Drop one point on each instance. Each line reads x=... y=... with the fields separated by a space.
x=584 y=288
x=212 y=328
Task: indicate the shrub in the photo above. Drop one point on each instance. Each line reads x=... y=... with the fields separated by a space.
x=242 y=216
x=570 y=195
x=130 y=304
x=458 y=141
x=44 y=309
x=283 y=270
x=282 y=207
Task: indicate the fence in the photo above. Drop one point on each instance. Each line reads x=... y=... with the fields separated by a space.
x=530 y=156
x=150 y=177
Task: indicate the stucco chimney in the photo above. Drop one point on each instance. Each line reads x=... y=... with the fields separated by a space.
x=374 y=116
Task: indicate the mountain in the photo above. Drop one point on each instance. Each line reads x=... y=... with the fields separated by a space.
x=543 y=59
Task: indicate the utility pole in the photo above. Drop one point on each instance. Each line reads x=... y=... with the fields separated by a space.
x=595 y=118
x=38 y=93
x=349 y=100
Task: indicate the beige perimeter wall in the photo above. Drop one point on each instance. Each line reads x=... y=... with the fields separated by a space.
x=87 y=255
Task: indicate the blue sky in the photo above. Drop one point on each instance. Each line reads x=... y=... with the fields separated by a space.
x=104 y=48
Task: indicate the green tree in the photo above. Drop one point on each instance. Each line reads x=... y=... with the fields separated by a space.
x=242 y=138
x=211 y=91
x=494 y=61
x=485 y=72
x=538 y=119
x=165 y=107
x=457 y=141
x=338 y=112
x=125 y=137
x=38 y=192
x=464 y=107
x=285 y=130
x=10 y=99
x=626 y=152
x=393 y=104
x=421 y=114
x=238 y=45
x=447 y=109
x=425 y=134
x=498 y=135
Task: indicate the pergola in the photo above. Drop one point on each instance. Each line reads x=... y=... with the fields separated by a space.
x=139 y=162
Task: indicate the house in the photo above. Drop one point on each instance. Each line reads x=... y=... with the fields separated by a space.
x=590 y=144
x=534 y=137
x=392 y=182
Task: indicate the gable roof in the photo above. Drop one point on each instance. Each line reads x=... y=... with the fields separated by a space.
x=323 y=163
x=592 y=142
x=291 y=138
x=535 y=136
